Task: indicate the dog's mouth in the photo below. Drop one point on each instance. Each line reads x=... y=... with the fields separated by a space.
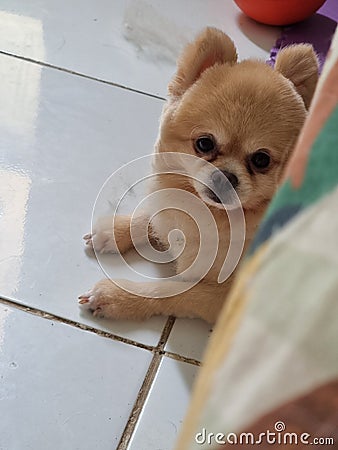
x=212 y=196
x=228 y=199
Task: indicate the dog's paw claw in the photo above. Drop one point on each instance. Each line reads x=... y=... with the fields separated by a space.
x=88 y=238
x=85 y=299
x=101 y=299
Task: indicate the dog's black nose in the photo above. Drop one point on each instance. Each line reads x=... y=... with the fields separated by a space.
x=218 y=179
x=221 y=186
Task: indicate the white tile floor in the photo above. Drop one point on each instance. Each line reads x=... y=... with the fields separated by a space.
x=70 y=381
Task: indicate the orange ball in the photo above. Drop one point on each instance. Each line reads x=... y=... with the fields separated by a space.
x=279 y=12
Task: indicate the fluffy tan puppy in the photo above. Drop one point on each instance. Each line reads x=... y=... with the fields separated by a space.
x=244 y=119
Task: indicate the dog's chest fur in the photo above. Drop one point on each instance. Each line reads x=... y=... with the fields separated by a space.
x=211 y=226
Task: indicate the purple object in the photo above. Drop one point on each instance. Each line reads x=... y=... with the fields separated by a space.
x=318 y=30
x=329 y=9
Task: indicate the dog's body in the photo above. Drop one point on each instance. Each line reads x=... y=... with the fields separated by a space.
x=244 y=118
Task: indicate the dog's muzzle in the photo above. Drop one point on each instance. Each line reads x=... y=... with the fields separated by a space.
x=222 y=186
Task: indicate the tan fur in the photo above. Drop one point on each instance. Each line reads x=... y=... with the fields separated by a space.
x=296 y=64
x=245 y=106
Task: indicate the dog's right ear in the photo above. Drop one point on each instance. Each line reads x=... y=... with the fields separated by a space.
x=211 y=47
x=299 y=64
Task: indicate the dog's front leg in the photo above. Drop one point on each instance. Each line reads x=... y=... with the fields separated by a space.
x=112 y=234
x=107 y=299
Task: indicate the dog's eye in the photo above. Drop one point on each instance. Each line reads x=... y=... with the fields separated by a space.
x=205 y=144
x=260 y=160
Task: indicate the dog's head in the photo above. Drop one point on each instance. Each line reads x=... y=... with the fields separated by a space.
x=243 y=117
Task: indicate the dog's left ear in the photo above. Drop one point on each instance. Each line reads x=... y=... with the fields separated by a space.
x=299 y=64
x=211 y=47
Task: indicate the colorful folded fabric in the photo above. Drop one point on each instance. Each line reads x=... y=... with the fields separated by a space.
x=271 y=368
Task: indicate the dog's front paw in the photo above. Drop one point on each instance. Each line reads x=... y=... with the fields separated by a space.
x=102 y=238
x=106 y=299
x=101 y=300
x=110 y=235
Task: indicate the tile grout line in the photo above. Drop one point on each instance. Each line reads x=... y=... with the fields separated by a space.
x=165 y=333
x=146 y=386
x=181 y=358
x=106 y=334
x=48 y=316
x=158 y=354
x=163 y=340
x=80 y=74
x=151 y=372
x=140 y=402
